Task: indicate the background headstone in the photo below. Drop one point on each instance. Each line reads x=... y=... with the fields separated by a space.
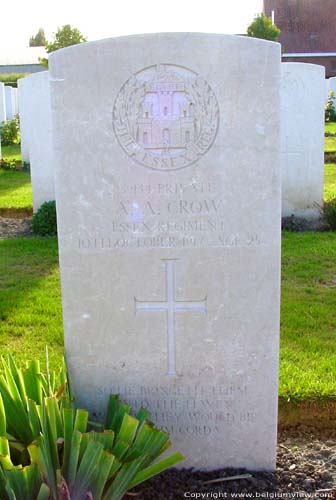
x=168 y=199
x=2 y=103
x=332 y=84
x=10 y=102
x=24 y=85
x=2 y=108
x=38 y=134
x=327 y=84
x=302 y=122
x=16 y=101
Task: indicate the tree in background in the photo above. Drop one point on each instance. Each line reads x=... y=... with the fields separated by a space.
x=262 y=27
x=39 y=40
x=65 y=36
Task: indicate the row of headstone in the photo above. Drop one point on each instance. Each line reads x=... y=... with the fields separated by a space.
x=167 y=161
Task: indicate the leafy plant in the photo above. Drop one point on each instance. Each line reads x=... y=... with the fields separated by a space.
x=330 y=213
x=65 y=459
x=330 y=111
x=10 y=132
x=8 y=164
x=44 y=221
x=64 y=37
x=263 y=27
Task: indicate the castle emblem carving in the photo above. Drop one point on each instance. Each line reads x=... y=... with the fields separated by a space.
x=166 y=117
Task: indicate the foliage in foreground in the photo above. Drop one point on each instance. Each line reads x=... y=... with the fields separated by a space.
x=47 y=450
x=10 y=132
x=263 y=27
x=44 y=221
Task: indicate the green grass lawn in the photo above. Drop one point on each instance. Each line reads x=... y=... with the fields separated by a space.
x=330 y=127
x=329 y=181
x=308 y=319
x=11 y=152
x=30 y=308
x=15 y=190
x=30 y=303
x=329 y=144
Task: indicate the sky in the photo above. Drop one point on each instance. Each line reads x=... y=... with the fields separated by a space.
x=98 y=19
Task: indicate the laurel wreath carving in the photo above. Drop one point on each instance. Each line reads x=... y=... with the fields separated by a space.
x=131 y=96
x=127 y=105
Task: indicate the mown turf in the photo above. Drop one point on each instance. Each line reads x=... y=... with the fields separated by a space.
x=30 y=308
x=30 y=302
x=330 y=127
x=12 y=152
x=329 y=181
x=15 y=190
x=308 y=319
x=329 y=144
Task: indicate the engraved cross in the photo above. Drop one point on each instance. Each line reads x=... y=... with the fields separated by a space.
x=171 y=306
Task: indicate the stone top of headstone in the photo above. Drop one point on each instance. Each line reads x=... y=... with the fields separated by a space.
x=168 y=199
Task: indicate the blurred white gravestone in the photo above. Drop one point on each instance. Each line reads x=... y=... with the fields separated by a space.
x=302 y=122
x=2 y=103
x=332 y=84
x=168 y=198
x=2 y=108
x=10 y=102
x=15 y=101
x=36 y=109
x=25 y=120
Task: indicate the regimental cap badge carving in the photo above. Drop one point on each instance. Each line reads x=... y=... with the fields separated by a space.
x=166 y=117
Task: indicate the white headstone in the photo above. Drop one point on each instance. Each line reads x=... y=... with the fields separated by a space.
x=10 y=102
x=24 y=85
x=302 y=121
x=37 y=132
x=16 y=101
x=2 y=103
x=327 y=84
x=168 y=199
x=2 y=108
x=332 y=84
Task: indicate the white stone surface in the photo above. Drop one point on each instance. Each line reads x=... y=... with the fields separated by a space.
x=2 y=108
x=10 y=102
x=302 y=121
x=327 y=86
x=37 y=127
x=332 y=84
x=2 y=103
x=16 y=101
x=24 y=88
x=168 y=197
